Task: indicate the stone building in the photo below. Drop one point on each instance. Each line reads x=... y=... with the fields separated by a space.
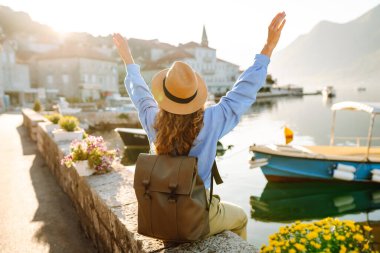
x=153 y=56
x=14 y=76
x=78 y=73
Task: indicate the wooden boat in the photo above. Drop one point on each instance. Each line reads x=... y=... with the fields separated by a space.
x=288 y=202
x=133 y=136
x=301 y=163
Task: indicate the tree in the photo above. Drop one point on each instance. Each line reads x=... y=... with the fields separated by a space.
x=270 y=80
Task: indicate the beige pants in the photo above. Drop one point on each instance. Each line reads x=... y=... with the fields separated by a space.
x=227 y=216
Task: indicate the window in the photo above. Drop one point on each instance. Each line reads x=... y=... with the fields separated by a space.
x=49 y=79
x=93 y=78
x=65 y=78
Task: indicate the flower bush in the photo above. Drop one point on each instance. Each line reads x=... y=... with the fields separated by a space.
x=69 y=123
x=93 y=149
x=37 y=106
x=54 y=118
x=328 y=235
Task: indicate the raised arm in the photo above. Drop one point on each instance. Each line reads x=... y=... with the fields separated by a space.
x=274 y=33
x=137 y=89
x=123 y=48
x=226 y=114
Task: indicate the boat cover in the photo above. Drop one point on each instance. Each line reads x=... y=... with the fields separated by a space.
x=370 y=107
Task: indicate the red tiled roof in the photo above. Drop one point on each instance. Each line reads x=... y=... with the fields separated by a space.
x=176 y=55
x=150 y=43
x=167 y=60
x=193 y=44
x=218 y=59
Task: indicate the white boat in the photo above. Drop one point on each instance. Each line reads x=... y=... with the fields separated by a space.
x=300 y=163
x=328 y=92
x=64 y=107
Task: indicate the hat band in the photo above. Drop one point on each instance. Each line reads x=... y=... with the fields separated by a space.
x=177 y=99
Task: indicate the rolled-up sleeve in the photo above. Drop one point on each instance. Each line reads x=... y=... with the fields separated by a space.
x=226 y=114
x=141 y=97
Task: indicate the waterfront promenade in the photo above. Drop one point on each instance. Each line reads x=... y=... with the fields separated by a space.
x=35 y=214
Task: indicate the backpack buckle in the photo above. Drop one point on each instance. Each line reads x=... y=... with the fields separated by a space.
x=172 y=196
x=145 y=182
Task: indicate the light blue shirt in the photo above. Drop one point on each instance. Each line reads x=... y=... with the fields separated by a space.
x=218 y=119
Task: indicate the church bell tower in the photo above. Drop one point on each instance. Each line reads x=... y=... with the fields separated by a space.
x=204 y=42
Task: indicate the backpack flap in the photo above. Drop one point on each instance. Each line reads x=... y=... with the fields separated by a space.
x=166 y=174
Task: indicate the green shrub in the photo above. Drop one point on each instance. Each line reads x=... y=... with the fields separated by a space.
x=123 y=116
x=54 y=118
x=37 y=106
x=69 y=123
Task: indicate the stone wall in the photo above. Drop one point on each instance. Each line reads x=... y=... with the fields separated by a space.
x=107 y=206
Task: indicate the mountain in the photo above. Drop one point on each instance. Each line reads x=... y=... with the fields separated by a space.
x=333 y=54
x=13 y=22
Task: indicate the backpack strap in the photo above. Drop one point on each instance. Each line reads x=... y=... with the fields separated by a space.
x=218 y=180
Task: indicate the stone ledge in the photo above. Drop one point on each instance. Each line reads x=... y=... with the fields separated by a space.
x=107 y=206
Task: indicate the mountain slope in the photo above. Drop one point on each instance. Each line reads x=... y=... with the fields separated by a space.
x=336 y=54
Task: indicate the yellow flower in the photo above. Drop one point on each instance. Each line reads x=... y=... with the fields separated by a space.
x=278 y=250
x=367 y=228
x=300 y=247
x=311 y=235
x=359 y=237
x=292 y=251
x=327 y=237
x=340 y=238
x=342 y=249
x=317 y=245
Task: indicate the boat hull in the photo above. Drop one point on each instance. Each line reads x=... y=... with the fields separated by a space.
x=132 y=138
x=282 y=168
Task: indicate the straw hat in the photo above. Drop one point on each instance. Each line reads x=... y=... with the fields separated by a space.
x=179 y=89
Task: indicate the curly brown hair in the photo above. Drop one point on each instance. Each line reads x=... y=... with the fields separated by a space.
x=176 y=133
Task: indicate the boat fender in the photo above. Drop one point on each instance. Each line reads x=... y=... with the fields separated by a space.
x=343 y=175
x=376 y=178
x=347 y=168
x=375 y=172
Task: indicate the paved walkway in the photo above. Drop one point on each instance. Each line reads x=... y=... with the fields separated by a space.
x=35 y=214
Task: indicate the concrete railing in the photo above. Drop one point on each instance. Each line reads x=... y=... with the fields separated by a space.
x=107 y=206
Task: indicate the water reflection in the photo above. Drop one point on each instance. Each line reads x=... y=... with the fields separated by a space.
x=287 y=202
x=131 y=153
x=272 y=104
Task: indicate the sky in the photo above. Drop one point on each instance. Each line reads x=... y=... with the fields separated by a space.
x=237 y=29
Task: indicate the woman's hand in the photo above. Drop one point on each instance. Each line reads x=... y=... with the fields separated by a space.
x=123 y=48
x=274 y=33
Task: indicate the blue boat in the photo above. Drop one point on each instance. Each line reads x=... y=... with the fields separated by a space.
x=323 y=163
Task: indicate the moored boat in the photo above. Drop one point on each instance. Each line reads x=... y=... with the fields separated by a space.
x=302 y=163
x=133 y=136
x=328 y=92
